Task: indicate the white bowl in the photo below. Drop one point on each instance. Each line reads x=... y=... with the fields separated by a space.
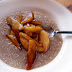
x=63 y=61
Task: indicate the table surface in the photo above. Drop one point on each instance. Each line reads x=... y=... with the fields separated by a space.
x=66 y=3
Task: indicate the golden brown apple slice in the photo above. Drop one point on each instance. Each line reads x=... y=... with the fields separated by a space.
x=27 y=32
x=36 y=29
x=24 y=42
x=35 y=22
x=19 y=18
x=14 y=23
x=40 y=49
x=31 y=54
x=14 y=41
x=12 y=33
x=31 y=25
x=16 y=32
x=35 y=37
x=28 y=18
x=44 y=38
x=23 y=35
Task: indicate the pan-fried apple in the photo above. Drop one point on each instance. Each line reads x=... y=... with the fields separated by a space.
x=24 y=42
x=16 y=32
x=25 y=39
x=36 y=29
x=12 y=33
x=28 y=38
x=40 y=49
x=28 y=18
x=35 y=22
x=31 y=54
x=31 y=25
x=14 y=41
x=19 y=18
x=44 y=38
x=27 y=32
x=36 y=38
x=14 y=23
x=23 y=35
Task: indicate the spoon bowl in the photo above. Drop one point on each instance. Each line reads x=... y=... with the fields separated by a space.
x=52 y=32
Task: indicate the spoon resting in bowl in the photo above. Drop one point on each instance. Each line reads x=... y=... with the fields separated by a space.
x=53 y=32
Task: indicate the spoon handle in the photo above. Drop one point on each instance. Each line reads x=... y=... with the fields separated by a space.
x=63 y=32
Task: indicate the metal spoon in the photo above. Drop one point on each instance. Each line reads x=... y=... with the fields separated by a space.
x=53 y=32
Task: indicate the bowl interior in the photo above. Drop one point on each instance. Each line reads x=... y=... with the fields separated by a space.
x=61 y=16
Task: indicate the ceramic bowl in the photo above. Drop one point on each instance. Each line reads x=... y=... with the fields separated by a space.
x=62 y=17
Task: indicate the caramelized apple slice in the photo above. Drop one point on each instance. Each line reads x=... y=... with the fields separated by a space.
x=27 y=32
x=35 y=37
x=23 y=35
x=28 y=25
x=31 y=54
x=16 y=32
x=12 y=33
x=36 y=29
x=19 y=18
x=35 y=22
x=28 y=18
x=24 y=42
x=14 y=23
x=40 y=49
x=44 y=38
x=14 y=41
x=31 y=25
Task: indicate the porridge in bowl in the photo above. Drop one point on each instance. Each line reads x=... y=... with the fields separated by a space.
x=24 y=43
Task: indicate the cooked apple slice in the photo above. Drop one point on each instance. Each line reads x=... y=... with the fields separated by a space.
x=28 y=25
x=16 y=32
x=27 y=32
x=19 y=18
x=14 y=41
x=36 y=29
x=24 y=42
x=44 y=38
x=26 y=38
x=28 y=18
x=31 y=54
x=35 y=37
x=31 y=25
x=35 y=22
x=12 y=33
x=40 y=49
x=23 y=35
x=14 y=23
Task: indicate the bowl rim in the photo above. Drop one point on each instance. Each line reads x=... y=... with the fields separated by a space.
x=52 y=62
